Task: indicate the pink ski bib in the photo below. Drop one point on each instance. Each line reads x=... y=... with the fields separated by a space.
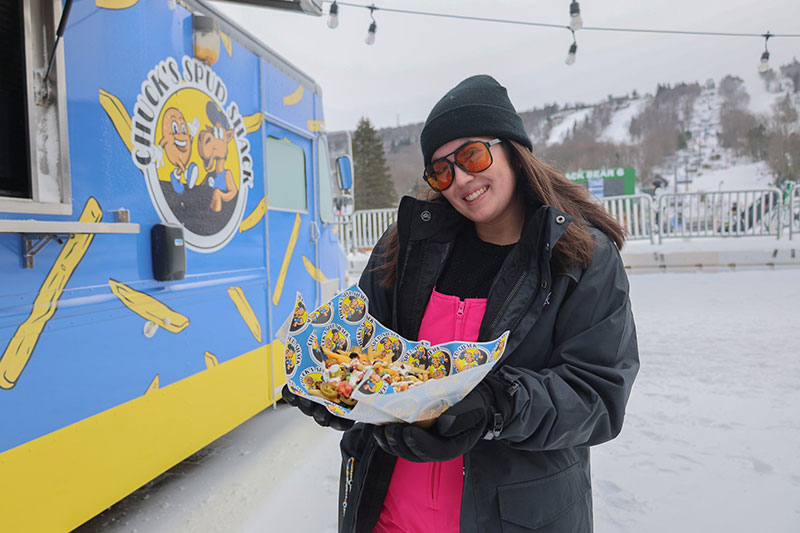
x=427 y=496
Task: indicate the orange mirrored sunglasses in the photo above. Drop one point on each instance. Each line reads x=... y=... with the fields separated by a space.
x=472 y=157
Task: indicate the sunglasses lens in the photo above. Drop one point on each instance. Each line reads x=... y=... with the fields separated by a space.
x=439 y=175
x=474 y=157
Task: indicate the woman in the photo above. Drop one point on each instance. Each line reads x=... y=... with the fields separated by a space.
x=505 y=243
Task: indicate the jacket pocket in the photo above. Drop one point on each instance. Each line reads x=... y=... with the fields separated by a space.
x=530 y=505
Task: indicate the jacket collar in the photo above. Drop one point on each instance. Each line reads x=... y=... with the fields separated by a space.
x=438 y=221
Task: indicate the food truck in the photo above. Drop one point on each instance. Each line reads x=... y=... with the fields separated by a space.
x=165 y=190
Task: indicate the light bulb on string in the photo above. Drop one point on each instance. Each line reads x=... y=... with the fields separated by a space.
x=333 y=16
x=575 y=20
x=572 y=50
x=372 y=27
x=764 y=65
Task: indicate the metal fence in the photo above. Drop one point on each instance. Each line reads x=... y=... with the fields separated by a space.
x=792 y=217
x=634 y=213
x=754 y=212
x=364 y=228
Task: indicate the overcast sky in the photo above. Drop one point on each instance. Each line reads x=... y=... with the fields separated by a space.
x=416 y=59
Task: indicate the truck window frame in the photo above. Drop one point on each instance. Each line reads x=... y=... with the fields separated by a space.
x=325 y=174
x=270 y=157
x=50 y=191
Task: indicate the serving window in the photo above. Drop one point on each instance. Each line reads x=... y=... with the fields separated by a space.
x=34 y=166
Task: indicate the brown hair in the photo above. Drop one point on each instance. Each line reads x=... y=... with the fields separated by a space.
x=540 y=183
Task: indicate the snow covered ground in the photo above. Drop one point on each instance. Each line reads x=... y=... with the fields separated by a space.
x=738 y=177
x=710 y=441
x=561 y=130
x=618 y=129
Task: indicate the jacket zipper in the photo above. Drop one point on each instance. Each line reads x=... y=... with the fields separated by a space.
x=507 y=302
x=354 y=508
x=459 y=332
x=434 y=479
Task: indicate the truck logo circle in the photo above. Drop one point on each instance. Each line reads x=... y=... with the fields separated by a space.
x=191 y=145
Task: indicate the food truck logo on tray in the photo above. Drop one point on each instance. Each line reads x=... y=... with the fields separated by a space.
x=314 y=348
x=191 y=145
x=299 y=316
x=417 y=356
x=373 y=384
x=469 y=356
x=365 y=332
x=500 y=348
x=441 y=361
x=311 y=377
x=352 y=307
x=390 y=342
x=293 y=356
x=335 y=337
x=321 y=316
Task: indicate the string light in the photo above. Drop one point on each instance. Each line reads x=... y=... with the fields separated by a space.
x=575 y=23
x=764 y=66
x=372 y=27
x=572 y=49
x=333 y=16
x=575 y=20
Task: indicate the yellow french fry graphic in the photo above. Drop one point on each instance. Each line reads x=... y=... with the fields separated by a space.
x=314 y=271
x=315 y=125
x=118 y=115
x=243 y=306
x=20 y=347
x=154 y=385
x=252 y=122
x=287 y=257
x=148 y=307
x=211 y=360
x=115 y=4
x=227 y=43
x=253 y=218
x=294 y=97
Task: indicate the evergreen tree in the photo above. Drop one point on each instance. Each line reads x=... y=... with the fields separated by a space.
x=374 y=188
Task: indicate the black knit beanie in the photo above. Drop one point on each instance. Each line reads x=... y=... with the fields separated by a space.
x=478 y=106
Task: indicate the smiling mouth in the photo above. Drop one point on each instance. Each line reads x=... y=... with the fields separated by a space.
x=180 y=144
x=477 y=193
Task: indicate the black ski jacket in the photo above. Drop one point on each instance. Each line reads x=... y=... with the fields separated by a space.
x=569 y=364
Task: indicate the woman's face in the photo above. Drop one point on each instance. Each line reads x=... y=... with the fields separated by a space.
x=484 y=197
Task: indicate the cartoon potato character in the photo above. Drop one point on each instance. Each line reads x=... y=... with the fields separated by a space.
x=419 y=357
x=298 y=317
x=499 y=348
x=212 y=145
x=176 y=143
x=291 y=359
x=312 y=381
x=367 y=330
x=474 y=357
x=371 y=385
x=336 y=341
x=354 y=309
x=391 y=345
x=440 y=362
x=321 y=315
x=316 y=352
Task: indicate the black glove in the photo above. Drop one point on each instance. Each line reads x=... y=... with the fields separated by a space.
x=456 y=430
x=318 y=412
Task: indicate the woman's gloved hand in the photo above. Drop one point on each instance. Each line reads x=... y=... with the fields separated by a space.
x=456 y=430
x=318 y=412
